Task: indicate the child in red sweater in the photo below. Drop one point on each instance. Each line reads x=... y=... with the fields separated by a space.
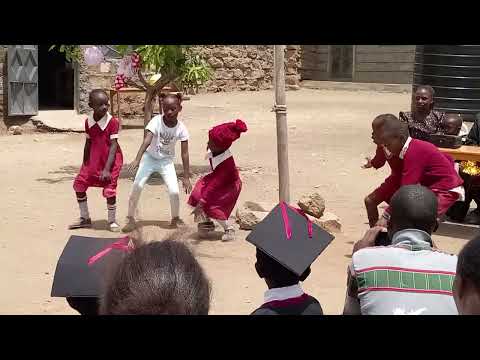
x=423 y=164
x=215 y=195
x=391 y=184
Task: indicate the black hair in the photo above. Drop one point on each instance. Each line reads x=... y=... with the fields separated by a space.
x=453 y=116
x=414 y=207
x=468 y=264
x=279 y=275
x=95 y=92
x=392 y=126
x=158 y=278
x=430 y=89
x=383 y=117
x=177 y=96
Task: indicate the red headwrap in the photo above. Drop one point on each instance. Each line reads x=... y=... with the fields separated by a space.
x=225 y=134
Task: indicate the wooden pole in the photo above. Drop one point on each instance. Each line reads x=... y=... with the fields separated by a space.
x=280 y=109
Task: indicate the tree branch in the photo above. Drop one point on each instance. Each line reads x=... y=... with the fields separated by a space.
x=134 y=84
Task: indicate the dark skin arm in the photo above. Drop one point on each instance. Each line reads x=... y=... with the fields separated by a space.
x=132 y=168
x=86 y=151
x=186 y=167
x=106 y=173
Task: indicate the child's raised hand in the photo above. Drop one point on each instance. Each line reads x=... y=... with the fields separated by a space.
x=368 y=164
x=132 y=168
x=187 y=185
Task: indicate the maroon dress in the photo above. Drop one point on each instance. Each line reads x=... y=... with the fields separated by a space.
x=218 y=191
x=100 y=135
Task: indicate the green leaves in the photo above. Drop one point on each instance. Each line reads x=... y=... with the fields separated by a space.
x=196 y=72
x=73 y=53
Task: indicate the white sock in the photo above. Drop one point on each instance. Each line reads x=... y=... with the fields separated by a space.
x=112 y=209
x=83 y=205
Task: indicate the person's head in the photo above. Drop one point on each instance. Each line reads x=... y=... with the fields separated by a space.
x=157 y=278
x=98 y=101
x=221 y=137
x=395 y=134
x=171 y=106
x=424 y=99
x=275 y=274
x=466 y=287
x=377 y=128
x=413 y=207
x=452 y=124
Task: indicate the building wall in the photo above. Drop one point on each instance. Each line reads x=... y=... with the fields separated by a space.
x=389 y=64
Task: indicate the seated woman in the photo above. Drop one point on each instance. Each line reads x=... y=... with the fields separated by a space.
x=423 y=120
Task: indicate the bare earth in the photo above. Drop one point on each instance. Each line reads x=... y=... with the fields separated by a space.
x=329 y=136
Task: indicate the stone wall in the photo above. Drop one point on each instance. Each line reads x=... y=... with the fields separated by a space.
x=247 y=67
x=235 y=68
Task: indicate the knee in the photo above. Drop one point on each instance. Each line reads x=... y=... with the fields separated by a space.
x=368 y=201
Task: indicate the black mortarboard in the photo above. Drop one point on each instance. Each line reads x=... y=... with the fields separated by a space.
x=74 y=277
x=299 y=251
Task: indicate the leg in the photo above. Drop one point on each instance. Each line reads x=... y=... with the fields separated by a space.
x=111 y=211
x=382 y=194
x=228 y=228
x=145 y=170
x=80 y=186
x=167 y=171
x=371 y=204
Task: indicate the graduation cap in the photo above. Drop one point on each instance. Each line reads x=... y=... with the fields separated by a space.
x=81 y=268
x=290 y=238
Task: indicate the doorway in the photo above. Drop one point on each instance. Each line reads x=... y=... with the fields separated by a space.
x=55 y=80
x=341 y=62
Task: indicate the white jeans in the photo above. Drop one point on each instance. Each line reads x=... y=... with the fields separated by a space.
x=166 y=168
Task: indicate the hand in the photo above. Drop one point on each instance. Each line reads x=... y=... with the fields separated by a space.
x=105 y=175
x=132 y=168
x=382 y=222
x=368 y=239
x=187 y=185
x=368 y=164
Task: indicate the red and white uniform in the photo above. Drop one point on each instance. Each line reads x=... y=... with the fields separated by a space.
x=101 y=134
x=218 y=191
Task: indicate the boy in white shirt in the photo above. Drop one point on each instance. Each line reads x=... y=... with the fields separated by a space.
x=156 y=154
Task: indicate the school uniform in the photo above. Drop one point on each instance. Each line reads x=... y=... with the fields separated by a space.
x=392 y=183
x=100 y=133
x=218 y=192
x=424 y=164
x=289 y=300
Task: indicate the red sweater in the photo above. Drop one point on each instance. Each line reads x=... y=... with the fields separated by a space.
x=396 y=164
x=424 y=164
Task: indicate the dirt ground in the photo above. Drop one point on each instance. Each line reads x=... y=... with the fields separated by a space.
x=329 y=136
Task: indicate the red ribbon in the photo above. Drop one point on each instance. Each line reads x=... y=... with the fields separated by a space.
x=121 y=244
x=286 y=223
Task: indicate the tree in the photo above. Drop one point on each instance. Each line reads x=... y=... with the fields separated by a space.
x=175 y=63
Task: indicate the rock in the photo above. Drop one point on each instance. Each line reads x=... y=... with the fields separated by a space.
x=329 y=222
x=258 y=206
x=247 y=219
x=294 y=87
x=215 y=63
x=15 y=130
x=313 y=204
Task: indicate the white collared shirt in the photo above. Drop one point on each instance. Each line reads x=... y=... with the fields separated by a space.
x=217 y=160
x=405 y=148
x=102 y=124
x=283 y=293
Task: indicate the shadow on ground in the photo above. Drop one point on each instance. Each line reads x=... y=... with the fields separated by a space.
x=68 y=173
